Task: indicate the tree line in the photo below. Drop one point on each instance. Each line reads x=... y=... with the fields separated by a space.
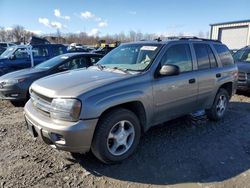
x=19 y=34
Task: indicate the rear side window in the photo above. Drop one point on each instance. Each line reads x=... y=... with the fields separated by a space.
x=224 y=54
x=202 y=56
x=40 y=51
x=180 y=56
x=58 y=50
x=205 y=56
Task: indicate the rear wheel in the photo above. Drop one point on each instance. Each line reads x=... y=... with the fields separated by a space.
x=217 y=111
x=117 y=136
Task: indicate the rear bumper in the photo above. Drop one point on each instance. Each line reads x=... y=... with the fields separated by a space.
x=68 y=136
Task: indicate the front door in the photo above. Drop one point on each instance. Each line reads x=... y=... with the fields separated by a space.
x=176 y=95
x=21 y=59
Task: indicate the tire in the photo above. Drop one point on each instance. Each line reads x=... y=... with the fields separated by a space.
x=18 y=103
x=111 y=142
x=216 y=112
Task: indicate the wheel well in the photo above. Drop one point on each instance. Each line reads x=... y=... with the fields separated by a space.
x=136 y=107
x=228 y=87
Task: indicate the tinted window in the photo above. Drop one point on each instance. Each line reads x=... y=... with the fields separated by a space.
x=179 y=55
x=224 y=54
x=40 y=51
x=58 y=50
x=202 y=56
x=4 y=45
x=213 y=62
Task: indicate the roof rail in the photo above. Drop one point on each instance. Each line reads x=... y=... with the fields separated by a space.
x=197 y=38
x=192 y=38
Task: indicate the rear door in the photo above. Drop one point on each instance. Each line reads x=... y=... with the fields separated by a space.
x=176 y=95
x=208 y=73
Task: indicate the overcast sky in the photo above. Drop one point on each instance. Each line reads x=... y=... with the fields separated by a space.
x=114 y=16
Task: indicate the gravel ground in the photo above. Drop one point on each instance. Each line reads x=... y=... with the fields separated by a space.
x=186 y=152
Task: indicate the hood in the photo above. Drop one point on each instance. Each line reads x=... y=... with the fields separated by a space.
x=74 y=83
x=24 y=73
x=243 y=66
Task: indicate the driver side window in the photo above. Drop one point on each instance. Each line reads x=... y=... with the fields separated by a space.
x=179 y=55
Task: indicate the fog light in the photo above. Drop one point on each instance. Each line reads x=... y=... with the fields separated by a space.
x=57 y=138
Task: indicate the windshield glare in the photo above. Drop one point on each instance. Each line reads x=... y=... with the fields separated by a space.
x=52 y=62
x=8 y=52
x=242 y=55
x=133 y=57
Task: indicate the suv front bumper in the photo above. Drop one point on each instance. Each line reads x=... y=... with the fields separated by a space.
x=68 y=136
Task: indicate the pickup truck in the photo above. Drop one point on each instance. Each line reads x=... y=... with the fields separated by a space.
x=136 y=86
x=20 y=56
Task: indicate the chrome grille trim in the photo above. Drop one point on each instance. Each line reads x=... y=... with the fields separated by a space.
x=242 y=77
x=40 y=102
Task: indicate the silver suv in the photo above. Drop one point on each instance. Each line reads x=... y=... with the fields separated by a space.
x=138 y=85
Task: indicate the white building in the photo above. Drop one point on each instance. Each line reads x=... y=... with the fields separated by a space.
x=234 y=34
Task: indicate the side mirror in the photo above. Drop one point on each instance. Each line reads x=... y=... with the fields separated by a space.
x=169 y=70
x=12 y=57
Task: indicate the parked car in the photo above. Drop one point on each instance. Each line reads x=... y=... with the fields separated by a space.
x=138 y=85
x=5 y=45
x=19 y=56
x=103 y=50
x=242 y=59
x=14 y=86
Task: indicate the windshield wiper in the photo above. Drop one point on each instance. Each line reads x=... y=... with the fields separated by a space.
x=121 y=69
x=101 y=67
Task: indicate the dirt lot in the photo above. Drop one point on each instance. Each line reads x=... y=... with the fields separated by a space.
x=181 y=154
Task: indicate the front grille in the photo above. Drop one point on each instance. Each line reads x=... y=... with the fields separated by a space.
x=41 y=102
x=242 y=77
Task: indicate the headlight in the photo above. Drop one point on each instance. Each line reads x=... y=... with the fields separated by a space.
x=13 y=82
x=65 y=109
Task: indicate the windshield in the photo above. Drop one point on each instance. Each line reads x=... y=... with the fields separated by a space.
x=52 y=62
x=132 y=57
x=9 y=51
x=4 y=45
x=242 y=55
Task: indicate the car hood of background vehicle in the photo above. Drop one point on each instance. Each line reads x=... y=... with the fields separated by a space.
x=74 y=83
x=24 y=73
x=244 y=67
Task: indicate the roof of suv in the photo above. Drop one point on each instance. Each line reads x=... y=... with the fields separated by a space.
x=170 y=39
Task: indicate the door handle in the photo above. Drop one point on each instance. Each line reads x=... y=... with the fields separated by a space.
x=218 y=75
x=191 y=81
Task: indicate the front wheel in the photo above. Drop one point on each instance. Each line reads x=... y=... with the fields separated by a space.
x=117 y=136
x=217 y=111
